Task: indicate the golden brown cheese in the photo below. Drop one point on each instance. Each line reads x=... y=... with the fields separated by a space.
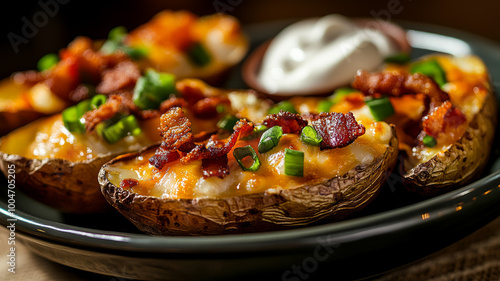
x=177 y=180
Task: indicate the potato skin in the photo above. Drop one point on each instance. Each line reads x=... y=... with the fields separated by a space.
x=67 y=186
x=331 y=200
x=461 y=162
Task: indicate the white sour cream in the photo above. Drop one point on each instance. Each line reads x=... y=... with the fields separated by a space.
x=320 y=55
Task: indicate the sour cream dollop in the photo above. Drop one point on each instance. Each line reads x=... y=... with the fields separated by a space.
x=321 y=54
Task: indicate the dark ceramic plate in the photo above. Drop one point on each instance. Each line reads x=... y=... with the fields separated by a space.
x=396 y=229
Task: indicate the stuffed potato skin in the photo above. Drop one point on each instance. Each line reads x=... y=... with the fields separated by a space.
x=462 y=161
x=329 y=200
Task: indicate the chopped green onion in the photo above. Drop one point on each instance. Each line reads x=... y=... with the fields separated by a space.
x=401 y=58
x=48 y=61
x=198 y=55
x=339 y=94
x=325 y=105
x=135 y=52
x=429 y=141
x=71 y=120
x=97 y=101
x=220 y=108
x=270 y=139
x=228 y=122
x=310 y=136
x=118 y=33
x=72 y=115
x=112 y=133
x=153 y=88
x=241 y=152
x=380 y=108
x=283 y=105
x=257 y=132
x=116 y=42
x=432 y=69
x=294 y=163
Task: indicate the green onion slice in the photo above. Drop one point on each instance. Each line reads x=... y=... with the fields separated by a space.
x=284 y=105
x=257 y=132
x=198 y=55
x=380 y=108
x=153 y=88
x=241 y=152
x=270 y=139
x=115 y=131
x=325 y=105
x=294 y=163
x=429 y=141
x=118 y=33
x=309 y=135
x=46 y=62
x=228 y=122
x=432 y=69
x=401 y=58
x=340 y=93
x=97 y=101
x=72 y=116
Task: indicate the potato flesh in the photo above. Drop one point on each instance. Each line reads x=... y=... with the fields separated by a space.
x=178 y=180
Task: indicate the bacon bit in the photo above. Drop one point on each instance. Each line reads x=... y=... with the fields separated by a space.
x=291 y=123
x=164 y=107
x=216 y=167
x=175 y=128
x=64 y=77
x=115 y=103
x=337 y=129
x=190 y=90
x=442 y=119
x=122 y=76
x=163 y=156
x=399 y=83
x=215 y=149
x=207 y=107
x=128 y=183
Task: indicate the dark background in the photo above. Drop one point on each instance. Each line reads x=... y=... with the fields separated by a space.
x=95 y=18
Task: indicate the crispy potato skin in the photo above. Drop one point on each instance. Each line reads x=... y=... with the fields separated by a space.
x=331 y=200
x=462 y=161
x=64 y=185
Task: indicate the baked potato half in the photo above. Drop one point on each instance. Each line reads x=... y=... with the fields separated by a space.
x=231 y=193
x=57 y=163
x=445 y=113
x=179 y=43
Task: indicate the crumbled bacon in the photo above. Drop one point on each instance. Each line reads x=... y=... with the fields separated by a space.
x=164 y=107
x=289 y=122
x=215 y=149
x=175 y=128
x=128 y=183
x=108 y=110
x=207 y=107
x=399 y=83
x=122 y=76
x=442 y=118
x=163 y=156
x=215 y=167
x=337 y=129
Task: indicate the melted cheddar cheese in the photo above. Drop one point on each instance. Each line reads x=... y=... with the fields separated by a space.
x=177 y=180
